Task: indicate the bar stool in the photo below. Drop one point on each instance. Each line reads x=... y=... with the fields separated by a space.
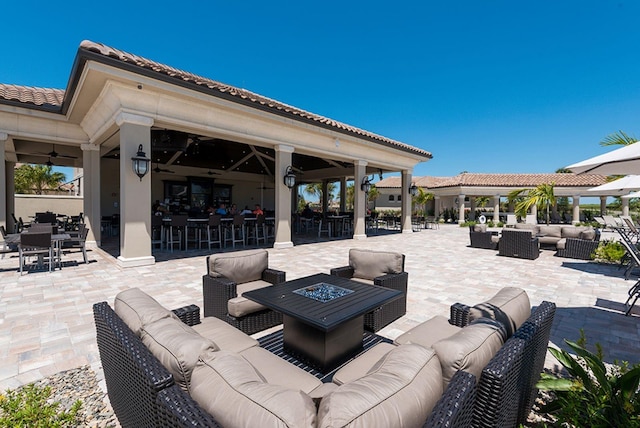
x=237 y=231
x=259 y=232
x=157 y=231
x=214 y=232
x=175 y=231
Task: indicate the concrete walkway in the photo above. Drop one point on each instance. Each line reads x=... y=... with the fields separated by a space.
x=46 y=319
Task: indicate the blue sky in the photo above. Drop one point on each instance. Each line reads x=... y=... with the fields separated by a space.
x=486 y=86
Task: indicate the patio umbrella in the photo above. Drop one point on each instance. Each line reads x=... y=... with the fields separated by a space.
x=632 y=195
x=625 y=160
x=621 y=185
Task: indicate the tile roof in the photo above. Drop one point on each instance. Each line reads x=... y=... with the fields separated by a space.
x=500 y=180
x=32 y=95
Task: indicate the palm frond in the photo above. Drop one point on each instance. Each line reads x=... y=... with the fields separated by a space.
x=618 y=139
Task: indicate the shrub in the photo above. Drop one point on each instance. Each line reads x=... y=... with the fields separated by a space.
x=593 y=396
x=609 y=251
x=29 y=406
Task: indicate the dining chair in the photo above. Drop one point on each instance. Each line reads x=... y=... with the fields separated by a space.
x=35 y=244
x=78 y=240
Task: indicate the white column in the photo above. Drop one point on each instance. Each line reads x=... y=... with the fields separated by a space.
x=135 y=194
x=461 y=209
x=534 y=212
x=437 y=207
x=91 y=192
x=359 y=200
x=10 y=185
x=576 y=209
x=496 y=209
x=283 y=198
x=3 y=185
x=472 y=210
x=343 y=194
x=325 y=196
x=625 y=206
x=603 y=205
x=406 y=201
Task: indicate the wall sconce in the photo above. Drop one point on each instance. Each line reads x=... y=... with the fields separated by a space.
x=140 y=163
x=366 y=184
x=413 y=189
x=289 y=178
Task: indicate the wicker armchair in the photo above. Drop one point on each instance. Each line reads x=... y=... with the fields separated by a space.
x=480 y=238
x=384 y=269
x=576 y=248
x=518 y=243
x=223 y=284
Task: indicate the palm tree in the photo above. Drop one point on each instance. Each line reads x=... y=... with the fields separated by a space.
x=541 y=196
x=315 y=189
x=421 y=199
x=618 y=139
x=37 y=179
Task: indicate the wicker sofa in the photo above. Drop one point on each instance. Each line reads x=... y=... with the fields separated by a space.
x=382 y=268
x=576 y=242
x=171 y=369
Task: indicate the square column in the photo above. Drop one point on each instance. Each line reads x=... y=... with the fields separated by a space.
x=283 y=198
x=461 y=209
x=91 y=192
x=603 y=205
x=359 y=200
x=576 y=208
x=135 y=194
x=406 y=201
x=343 y=194
x=3 y=186
x=496 y=209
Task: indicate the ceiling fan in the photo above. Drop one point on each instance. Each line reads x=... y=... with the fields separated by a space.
x=54 y=154
x=158 y=169
x=212 y=173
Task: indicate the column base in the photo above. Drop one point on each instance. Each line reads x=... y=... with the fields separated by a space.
x=359 y=237
x=287 y=244
x=136 y=261
x=407 y=230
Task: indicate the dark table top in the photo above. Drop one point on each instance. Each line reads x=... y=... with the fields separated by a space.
x=323 y=315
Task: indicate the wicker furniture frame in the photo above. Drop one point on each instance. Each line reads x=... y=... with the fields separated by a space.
x=518 y=243
x=579 y=248
x=389 y=312
x=217 y=291
x=482 y=240
x=144 y=394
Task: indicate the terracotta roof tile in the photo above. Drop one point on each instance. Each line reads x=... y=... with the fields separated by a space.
x=238 y=93
x=499 y=180
x=32 y=95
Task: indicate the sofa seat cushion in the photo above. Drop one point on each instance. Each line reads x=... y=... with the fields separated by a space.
x=510 y=306
x=240 y=306
x=225 y=336
x=470 y=349
x=277 y=371
x=363 y=280
x=429 y=332
x=137 y=309
x=240 y=267
x=229 y=388
x=495 y=239
x=369 y=264
x=400 y=390
x=548 y=240
x=561 y=244
x=550 y=231
x=361 y=365
x=177 y=346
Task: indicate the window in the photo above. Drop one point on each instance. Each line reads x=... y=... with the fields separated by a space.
x=399 y=198
x=391 y=197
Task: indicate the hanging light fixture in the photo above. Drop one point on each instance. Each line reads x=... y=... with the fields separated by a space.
x=289 y=178
x=140 y=163
x=366 y=184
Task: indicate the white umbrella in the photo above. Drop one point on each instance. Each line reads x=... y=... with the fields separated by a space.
x=632 y=195
x=625 y=160
x=621 y=185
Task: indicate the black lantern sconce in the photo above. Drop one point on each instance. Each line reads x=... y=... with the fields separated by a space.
x=366 y=184
x=140 y=163
x=413 y=190
x=289 y=178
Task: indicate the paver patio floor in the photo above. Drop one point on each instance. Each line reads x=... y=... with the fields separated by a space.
x=46 y=319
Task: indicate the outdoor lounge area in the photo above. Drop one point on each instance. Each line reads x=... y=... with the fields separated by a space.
x=586 y=295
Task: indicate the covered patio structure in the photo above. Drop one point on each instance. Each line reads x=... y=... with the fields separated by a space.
x=208 y=142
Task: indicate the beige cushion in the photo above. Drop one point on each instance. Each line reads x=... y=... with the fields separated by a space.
x=479 y=227
x=470 y=350
x=548 y=240
x=589 y=234
x=360 y=366
x=225 y=336
x=429 y=332
x=561 y=244
x=226 y=386
x=550 y=231
x=240 y=306
x=369 y=264
x=399 y=391
x=277 y=371
x=510 y=306
x=571 y=232
x=526 y=226
x=239 y=267
x=136 y=308
x=177 y=346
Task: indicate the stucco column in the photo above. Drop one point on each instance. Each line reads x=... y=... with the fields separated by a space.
x=283 y=198
x=576 y=209
x=3 y=186
x=91 y=192
x=603 y=205
x=406 y=201
x=325 y=196
x=437 y=207
x=359 y=201
x=343 y=194
x=10 y=186
x=135 y=194
x=472 y=211
x=461 y=209
x=534 y=212
x=496 y=209
x=625 y=206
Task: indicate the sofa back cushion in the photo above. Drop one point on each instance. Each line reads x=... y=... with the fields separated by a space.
x=136 y=308
x=239 y=267
x=228 y=387
x=369 y=264
x=589 y=234
x=400 y=390
x=573 y=231
x=550 y=231
x=479 y=227
x=177 y=346
x=527 y=226
x=510 y=306
x=470 y=349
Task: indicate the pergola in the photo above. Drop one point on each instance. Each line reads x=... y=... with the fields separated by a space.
x=193 y=129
